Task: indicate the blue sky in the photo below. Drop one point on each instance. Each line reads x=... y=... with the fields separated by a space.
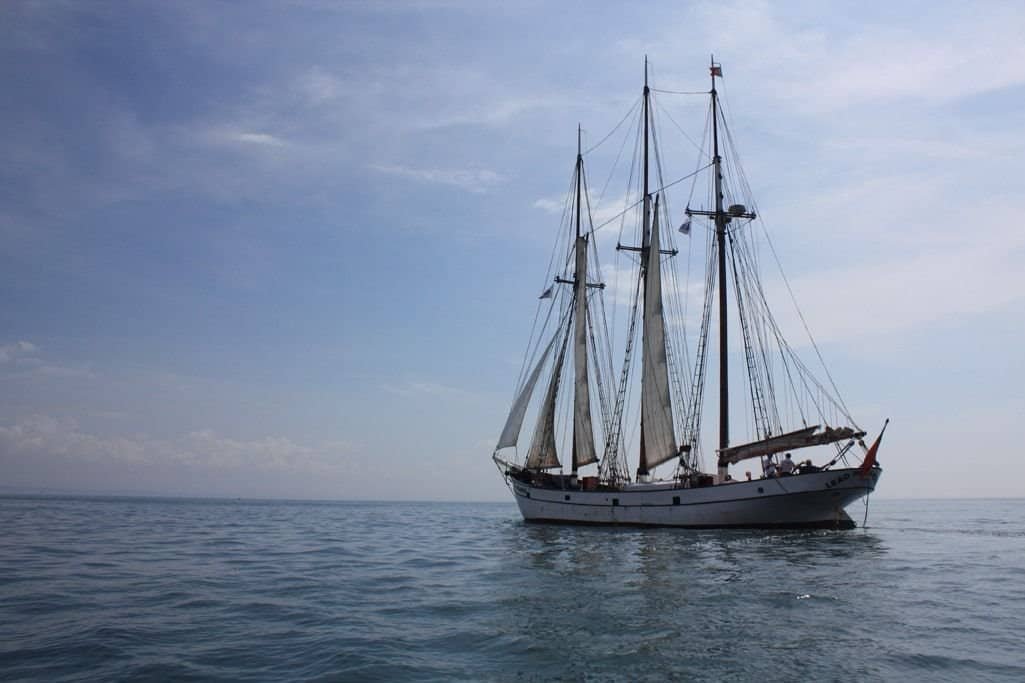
x=270 y=249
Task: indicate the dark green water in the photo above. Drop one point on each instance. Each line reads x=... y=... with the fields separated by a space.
x=151 y=589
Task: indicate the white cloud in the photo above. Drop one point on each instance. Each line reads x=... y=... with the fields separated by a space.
x=472 y=180
x=553 y=205
x=246 y=137
x=851 y=303
x=23 y=359
x=9 y=352
x=319 y=86
x=40 y=437
x=411 y=389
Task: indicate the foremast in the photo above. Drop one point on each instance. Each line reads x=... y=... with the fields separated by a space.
x=583 y=431
x=543 y=454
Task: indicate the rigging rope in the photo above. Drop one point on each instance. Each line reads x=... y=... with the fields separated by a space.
x=680 y=92
x=639 y=201
x=611 y=132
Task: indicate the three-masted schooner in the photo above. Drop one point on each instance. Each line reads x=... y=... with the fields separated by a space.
x=790 y=409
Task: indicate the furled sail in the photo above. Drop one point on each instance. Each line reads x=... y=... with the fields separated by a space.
x=542 y=454
x=583 y=432
x=801 y=438
x=513 y=424
x=656 y=408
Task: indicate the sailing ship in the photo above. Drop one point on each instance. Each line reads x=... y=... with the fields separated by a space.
x=654 y=412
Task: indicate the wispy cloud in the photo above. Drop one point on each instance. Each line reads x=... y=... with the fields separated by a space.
x=471 y=180
x=790 y=54
x=25 y=359
x=411 y=389
x=46 y=436
x=9 y=352
x=245 y=137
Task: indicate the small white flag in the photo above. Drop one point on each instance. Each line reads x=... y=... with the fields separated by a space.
x=547 y=294
x=685 y=227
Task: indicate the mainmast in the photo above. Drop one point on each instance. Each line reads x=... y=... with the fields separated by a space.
x=658 y=440
x=642 y=467
x=720 y=237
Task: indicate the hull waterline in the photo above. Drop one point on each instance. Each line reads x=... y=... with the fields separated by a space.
x=814 y=500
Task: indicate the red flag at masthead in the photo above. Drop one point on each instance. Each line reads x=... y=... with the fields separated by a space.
x=870 y=456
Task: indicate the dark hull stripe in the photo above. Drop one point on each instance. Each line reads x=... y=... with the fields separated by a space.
x=860 y=490
x=842 y=524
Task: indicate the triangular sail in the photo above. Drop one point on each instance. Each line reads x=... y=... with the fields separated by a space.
x=583 y=432
x=542 y=454
x=514 y=423
x=656 y=406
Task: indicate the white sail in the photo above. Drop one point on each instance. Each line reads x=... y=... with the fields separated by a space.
x=542 y=454
x=513 y=424
x=583 y=432
x=656 y=408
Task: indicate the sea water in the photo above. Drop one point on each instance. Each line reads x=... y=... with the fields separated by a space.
x=165 y=589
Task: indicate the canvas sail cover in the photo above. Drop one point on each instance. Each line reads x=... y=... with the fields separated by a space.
x=542 y=454
x=656 y=407
x=801 y=438
x=583 y=432
x=513 y=424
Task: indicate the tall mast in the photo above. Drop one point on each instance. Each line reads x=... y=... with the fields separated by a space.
x=583 y=431
x=647 y=198
x=580 y=168
x=642 y=468
x=580 y=291
x=720 y=235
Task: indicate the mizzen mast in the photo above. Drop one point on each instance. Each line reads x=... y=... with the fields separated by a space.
x=720 y=238
x=722 y=218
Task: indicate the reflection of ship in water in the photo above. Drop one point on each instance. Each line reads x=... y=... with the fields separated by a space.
x=656 y=394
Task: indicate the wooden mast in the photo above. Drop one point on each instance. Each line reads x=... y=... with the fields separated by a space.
x=579 y=287
x=642 y=465
x=720 y=235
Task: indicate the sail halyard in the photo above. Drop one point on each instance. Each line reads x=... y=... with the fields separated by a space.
x=656 y=404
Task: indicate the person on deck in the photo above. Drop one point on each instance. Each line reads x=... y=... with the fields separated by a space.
x=769 y=467
x=787 y=466
x=807 y=467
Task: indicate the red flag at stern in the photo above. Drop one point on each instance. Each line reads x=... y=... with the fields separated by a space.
x=870 y=456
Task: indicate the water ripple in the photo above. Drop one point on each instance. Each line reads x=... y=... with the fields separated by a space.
x=131 y=589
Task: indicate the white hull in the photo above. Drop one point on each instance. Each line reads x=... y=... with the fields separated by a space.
x=808 y=500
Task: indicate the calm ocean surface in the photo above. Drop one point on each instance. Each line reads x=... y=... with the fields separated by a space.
x=161 y=589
